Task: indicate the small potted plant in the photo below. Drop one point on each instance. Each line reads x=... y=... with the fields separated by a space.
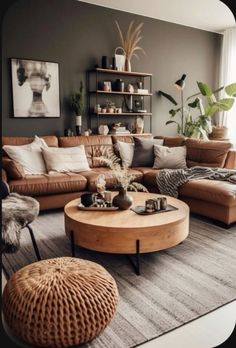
x=110 y=106
x=77 y=105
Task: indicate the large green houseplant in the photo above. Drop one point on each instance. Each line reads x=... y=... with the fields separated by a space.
x=206 y=105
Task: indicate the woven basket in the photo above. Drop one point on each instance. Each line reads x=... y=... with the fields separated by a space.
x=59 y=302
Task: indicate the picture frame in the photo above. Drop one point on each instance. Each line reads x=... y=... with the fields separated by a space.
x=35 y=88
x=107 y=86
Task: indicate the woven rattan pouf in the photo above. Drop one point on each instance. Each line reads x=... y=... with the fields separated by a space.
x=59 y=302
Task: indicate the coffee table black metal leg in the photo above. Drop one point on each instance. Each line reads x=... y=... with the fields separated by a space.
x=72 y=243
x=136 y=264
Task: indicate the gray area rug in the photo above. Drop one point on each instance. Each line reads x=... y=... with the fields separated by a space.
x=176 y=286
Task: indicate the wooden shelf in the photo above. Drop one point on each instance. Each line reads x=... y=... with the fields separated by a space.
x=118 y=72
x=123 y=113
x=121 y=93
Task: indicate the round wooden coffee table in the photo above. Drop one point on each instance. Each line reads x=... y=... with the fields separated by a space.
x=124 y=231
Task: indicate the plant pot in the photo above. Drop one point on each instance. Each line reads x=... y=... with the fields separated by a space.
x=110 y=110
x=219 y=132
x=123 y=201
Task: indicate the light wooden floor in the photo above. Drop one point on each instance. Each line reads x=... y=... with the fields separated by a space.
x=206 y=332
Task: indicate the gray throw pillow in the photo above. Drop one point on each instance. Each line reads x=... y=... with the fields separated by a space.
x=144 y=151
x=170 y=157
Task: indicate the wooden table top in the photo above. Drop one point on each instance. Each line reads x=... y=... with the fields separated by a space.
x=125 y=219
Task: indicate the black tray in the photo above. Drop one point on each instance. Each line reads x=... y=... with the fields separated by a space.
x=140 y=209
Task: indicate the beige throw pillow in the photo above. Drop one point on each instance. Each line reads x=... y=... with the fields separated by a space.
x=66 y=159
x=169 y=157
x=126 y=151
x=29 y=156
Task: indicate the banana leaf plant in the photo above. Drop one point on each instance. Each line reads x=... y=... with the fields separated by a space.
x=206 y=104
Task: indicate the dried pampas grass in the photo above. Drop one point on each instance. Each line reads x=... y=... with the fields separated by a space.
x=129 y=43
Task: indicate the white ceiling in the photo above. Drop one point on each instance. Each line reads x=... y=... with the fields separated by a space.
x=211 y=15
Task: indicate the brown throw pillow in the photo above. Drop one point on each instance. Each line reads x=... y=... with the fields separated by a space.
x=14 y=169
x=144 y=151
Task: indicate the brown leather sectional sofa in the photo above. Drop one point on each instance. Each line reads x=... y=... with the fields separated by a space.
x=214 y=199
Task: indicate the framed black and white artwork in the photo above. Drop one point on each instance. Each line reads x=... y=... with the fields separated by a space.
x=35 y=88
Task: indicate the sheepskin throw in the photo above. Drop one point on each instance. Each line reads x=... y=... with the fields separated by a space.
x=17 y=212
x=169 y=180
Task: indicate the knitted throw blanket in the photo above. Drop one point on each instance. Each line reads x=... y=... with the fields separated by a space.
x=169 y=180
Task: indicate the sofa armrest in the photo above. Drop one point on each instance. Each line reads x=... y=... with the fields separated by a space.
x=230 y=162
x=4 y=175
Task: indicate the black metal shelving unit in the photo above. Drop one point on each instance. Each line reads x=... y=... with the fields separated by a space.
x=95 y=94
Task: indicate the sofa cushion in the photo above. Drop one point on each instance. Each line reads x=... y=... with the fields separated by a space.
x=13 y=168
x=66 y=159
x=144 y=151
x=110 y=180
x=37 y=185
x=95 y=147
x=219 y=192
x=206 y=153
x=169 y=157
x=29 y=156
x=125 y=152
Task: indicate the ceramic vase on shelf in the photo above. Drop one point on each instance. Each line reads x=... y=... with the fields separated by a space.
x=127 y=64
x=78 y=124
x=123 y=201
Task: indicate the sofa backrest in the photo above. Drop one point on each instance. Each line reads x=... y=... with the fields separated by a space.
x=51 y=140
x=206 y=153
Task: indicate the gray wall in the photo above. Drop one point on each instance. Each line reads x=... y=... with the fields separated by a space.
x=76 y=35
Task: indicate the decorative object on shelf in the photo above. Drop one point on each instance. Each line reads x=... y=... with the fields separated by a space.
x=200 y=126
x=39 y=76
x=129 y=43
x=139 y=124
x=97 y=109
x=120 y=59
x=103 y=129
x=110 y=107
x=118 y=110
x=87 y=132
x=68 y=133
x=105 y=64
x=130 y=88
x=113 y=63
x=107 y=86
x=137 y=105
x=117 y=128
x=119 y=85
x=78 y=124
x=77 y=105
x=124 y=180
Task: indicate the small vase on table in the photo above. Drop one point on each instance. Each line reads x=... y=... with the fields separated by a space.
x=122 y=200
